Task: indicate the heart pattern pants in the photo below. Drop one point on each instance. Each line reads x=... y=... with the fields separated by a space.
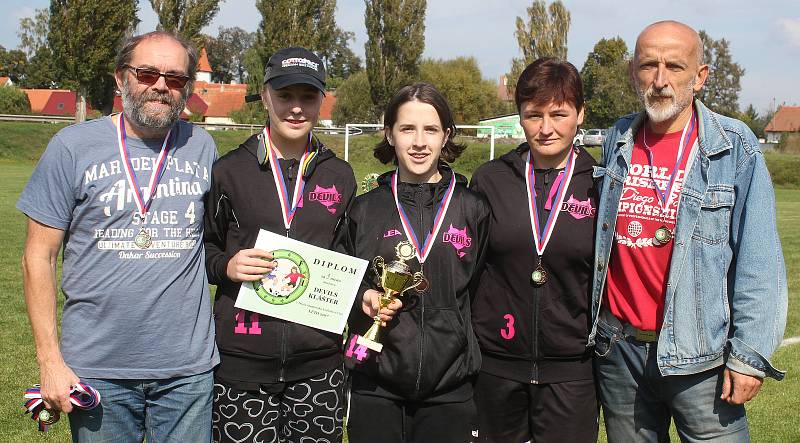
x=306 y=411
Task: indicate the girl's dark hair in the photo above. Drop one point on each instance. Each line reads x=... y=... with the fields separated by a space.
x=549 y=79
x=423 y=93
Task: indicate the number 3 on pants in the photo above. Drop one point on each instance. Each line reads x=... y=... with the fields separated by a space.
x=508 y=332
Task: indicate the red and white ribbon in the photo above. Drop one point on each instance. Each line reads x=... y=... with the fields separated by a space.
x=288 y=208
x=542 y=236
x=82 y=396
x=142 y=202
x=422 y=250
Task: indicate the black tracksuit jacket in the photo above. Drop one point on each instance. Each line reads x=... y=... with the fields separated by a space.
x=242 y=200
x=429 y=348
x=527 y=333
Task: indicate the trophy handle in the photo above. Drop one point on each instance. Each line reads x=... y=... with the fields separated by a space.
x=377 y=262
x=417 y=280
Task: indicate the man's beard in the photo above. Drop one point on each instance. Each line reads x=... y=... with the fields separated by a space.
x=659 y=112
x=136 y=111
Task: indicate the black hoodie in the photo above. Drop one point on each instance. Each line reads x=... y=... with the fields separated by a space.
x=242 y=200
x=528 y=333
x=430 y=350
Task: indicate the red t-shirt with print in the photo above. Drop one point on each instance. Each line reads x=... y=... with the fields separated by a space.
x=638 y=267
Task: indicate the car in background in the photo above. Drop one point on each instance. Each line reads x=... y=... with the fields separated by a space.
x=594 y=137
x=578 y=139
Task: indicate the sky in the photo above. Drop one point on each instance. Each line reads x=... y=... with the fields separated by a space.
x=764 y=35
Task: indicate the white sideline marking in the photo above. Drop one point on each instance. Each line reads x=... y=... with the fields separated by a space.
x=790 y=341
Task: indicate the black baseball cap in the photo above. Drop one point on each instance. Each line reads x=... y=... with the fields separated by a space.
x=291 y=66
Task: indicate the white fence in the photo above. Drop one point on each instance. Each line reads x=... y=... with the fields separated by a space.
x=348 y=129
x=356 y=130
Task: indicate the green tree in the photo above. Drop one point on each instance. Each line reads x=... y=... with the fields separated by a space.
x=395 y=41
x=14 y=101
x=353 y=101
x=310 y=24
x=341 y=62
x=470 y=96
x=226 y=53
x=544 y=35
x=721 y=89
x=76 y=28
x=607 y=90
x=185 y=17
x=32 y=31
x=754 y=120
x=13 y=64
x=42 y=72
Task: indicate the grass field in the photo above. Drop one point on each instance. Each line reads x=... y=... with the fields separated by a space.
x=774 y=415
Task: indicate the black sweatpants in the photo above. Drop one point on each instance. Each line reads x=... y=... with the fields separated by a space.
x=376 y=419
x=514 y=412
x=310 y=408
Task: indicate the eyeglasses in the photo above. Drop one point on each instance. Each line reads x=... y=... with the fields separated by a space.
x=149 y=76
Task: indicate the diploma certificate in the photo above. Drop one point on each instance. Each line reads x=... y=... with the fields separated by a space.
x=310 y=285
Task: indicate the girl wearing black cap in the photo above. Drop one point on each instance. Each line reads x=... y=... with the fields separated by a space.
x=418 y=388
x=277 y=380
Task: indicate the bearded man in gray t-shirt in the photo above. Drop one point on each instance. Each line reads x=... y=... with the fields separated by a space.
x=123 y=195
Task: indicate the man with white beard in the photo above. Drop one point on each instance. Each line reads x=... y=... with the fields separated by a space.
x=136 y=322
x=690 y=295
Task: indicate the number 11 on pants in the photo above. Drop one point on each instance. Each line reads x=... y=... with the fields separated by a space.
x=240 y=328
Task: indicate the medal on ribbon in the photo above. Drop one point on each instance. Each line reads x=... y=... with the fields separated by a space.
x=422 y=250
x=664 y=234
x=143 y=239
x=82 y=396
x=542 y=234
x=288 y=206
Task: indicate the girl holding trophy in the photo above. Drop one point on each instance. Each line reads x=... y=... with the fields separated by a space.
x=531 y=308
x=423 y=227
x=277 y=380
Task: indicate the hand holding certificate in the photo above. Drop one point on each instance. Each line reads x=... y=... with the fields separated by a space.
x=309 y=285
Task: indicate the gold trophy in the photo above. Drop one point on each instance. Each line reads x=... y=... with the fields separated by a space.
x=396 y=278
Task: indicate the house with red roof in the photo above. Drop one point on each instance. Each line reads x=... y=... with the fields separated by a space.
x=213 y=102
x=785 y=120
x=51 y=101
x=203 y=68
x=6 y=81
x=326 y=110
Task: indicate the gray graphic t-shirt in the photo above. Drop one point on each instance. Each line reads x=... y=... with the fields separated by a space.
x=129 y=312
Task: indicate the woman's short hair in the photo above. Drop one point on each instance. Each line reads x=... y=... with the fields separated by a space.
x=549 y=79
x=423 y=93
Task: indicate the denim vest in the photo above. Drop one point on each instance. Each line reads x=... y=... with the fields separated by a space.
x=726 y=295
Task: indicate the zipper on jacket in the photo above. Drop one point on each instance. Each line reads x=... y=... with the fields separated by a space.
x=535 y=338
x=421 y=299
x=536 y=290
x=284 y=333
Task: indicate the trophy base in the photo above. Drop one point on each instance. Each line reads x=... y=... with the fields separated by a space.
x=369 y=344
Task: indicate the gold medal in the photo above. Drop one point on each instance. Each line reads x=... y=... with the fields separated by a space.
x=662 y=236
x=539 y=276
x=49 y=417
x=143 y=239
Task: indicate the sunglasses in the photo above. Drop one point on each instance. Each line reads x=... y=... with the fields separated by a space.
x=149 y=76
